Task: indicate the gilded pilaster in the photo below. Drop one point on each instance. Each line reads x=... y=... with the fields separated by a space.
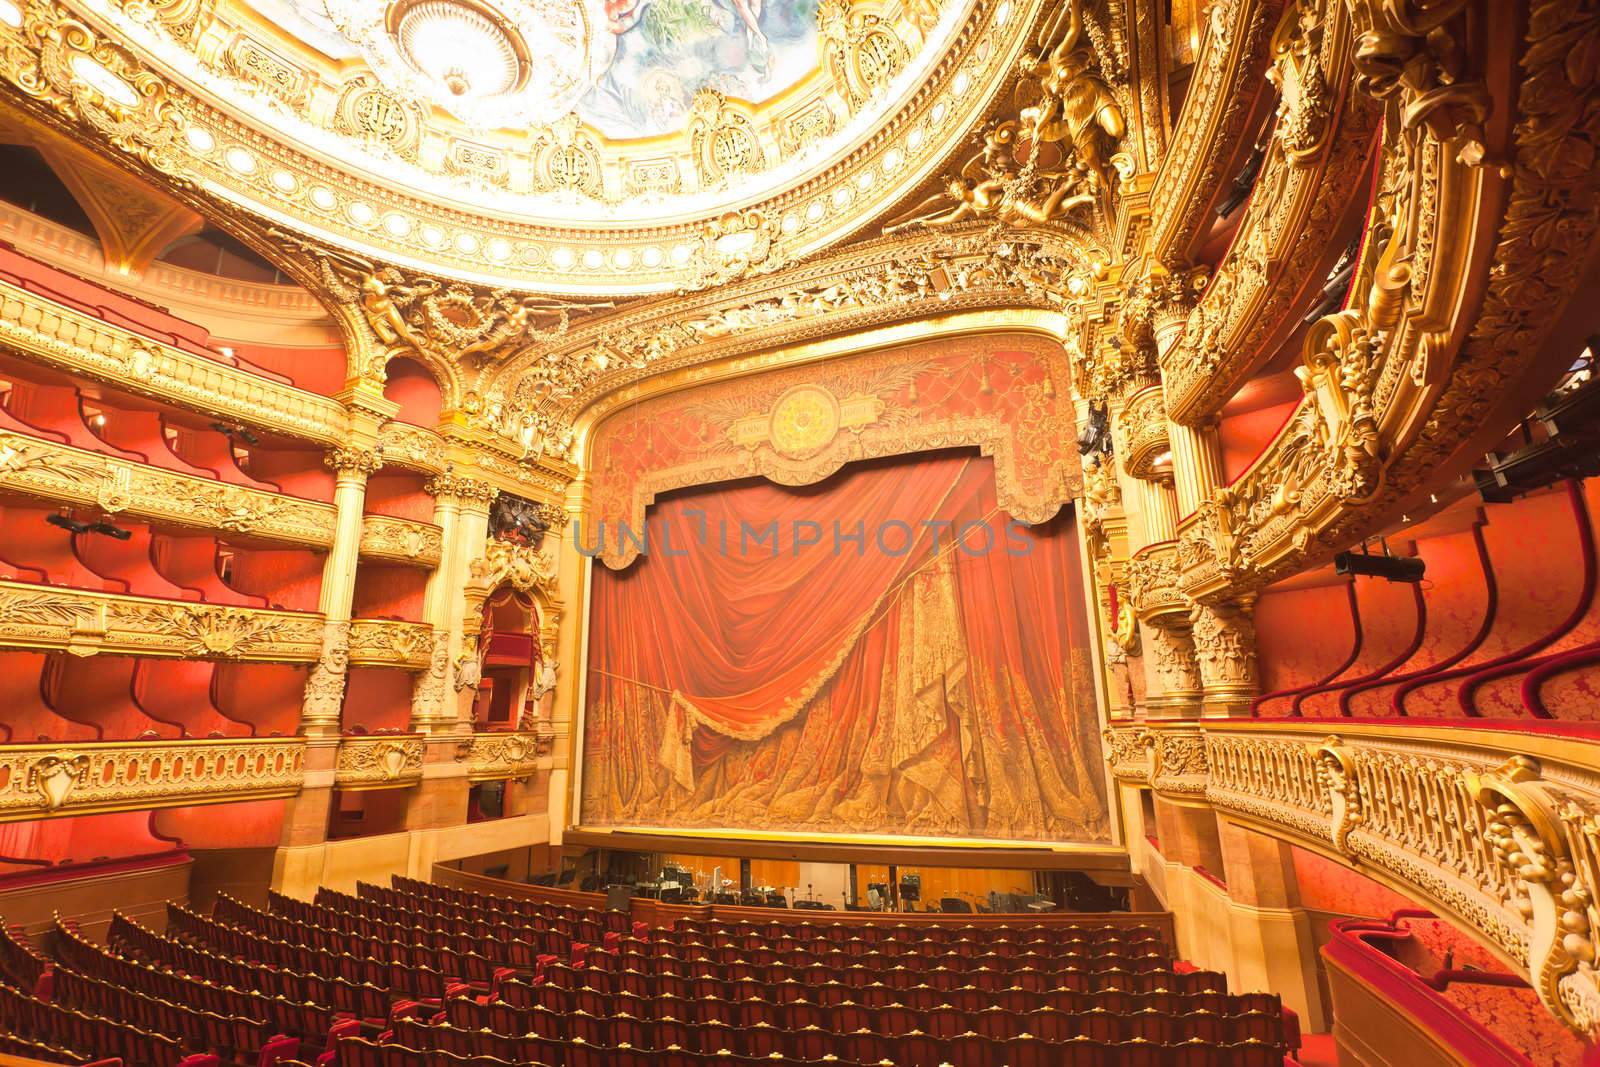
x=566 y=717
x=442 y=697
x=1225 y=652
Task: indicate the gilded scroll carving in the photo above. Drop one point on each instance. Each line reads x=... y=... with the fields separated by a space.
x=1211 y=124
x=1142 y=434
x=1125 y=751
x=1507 y=845
x=1314 y=160
x=43 y=780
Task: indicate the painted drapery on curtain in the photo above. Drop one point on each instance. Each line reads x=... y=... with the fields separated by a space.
x=901 y=683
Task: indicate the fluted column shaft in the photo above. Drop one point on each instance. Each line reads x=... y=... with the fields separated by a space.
x=1196 y=463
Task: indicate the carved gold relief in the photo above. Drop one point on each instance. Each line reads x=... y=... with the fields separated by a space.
x=378 y=762
x=499 y=756
x=390 y=643
x=371 y=114
x=400 y=540
x=863 y=55
x=1506 y=846
x=724 y=139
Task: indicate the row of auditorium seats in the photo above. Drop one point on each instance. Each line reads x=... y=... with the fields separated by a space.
x=402 y=976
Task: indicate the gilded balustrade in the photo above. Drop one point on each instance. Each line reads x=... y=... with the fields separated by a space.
x=419 y=544
x=499 y=756
x=412 y=447
x=1318 y=150
x=1222 y=94
x=390 y=643
x=57 y=336
x=52 y=618
x=61 y=778
x=381 y=761
x=47 y=470
x=1509 y=846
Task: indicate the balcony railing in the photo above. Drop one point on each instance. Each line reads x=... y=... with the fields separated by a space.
x=53 y=618
x=60 y=473
x=1507 y=844
x=388 y=643
x=498 y=756
x=83 y=778
x=383 y=761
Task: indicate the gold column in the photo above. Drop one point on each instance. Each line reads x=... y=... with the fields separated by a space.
x=462 y=509
x=1225 y=651
x=428 y=688
x=442 y=700
x=1196 y=463
x=1158 y=510
x=566 y=709
x=1173 y=686
x=324 y=696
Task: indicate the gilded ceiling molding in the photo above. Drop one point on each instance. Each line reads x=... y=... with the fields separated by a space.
x=230 y=130
x=1508 y=848
x=1007 y=395
x=898 y=279
x=69 y=340
x=60 y=473
x=57 y=619
x=54 y=779
x=1319 y=148
x=1223 y=91
x=1391 y=394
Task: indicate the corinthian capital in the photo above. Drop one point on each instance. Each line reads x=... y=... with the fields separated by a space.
x=353 y=460
x=467 y=490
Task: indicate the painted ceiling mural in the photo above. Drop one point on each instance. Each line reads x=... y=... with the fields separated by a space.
x=668 y=50
x=628 y=68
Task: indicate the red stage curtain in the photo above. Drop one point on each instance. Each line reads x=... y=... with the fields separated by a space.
x=890 y=688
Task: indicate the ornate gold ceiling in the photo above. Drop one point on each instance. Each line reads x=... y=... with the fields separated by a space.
x=666 y=144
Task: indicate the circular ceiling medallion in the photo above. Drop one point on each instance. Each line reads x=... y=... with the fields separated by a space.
x=461 y=46
x=509 y=64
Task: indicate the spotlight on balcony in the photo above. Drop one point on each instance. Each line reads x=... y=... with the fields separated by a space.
x=1380 y=565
